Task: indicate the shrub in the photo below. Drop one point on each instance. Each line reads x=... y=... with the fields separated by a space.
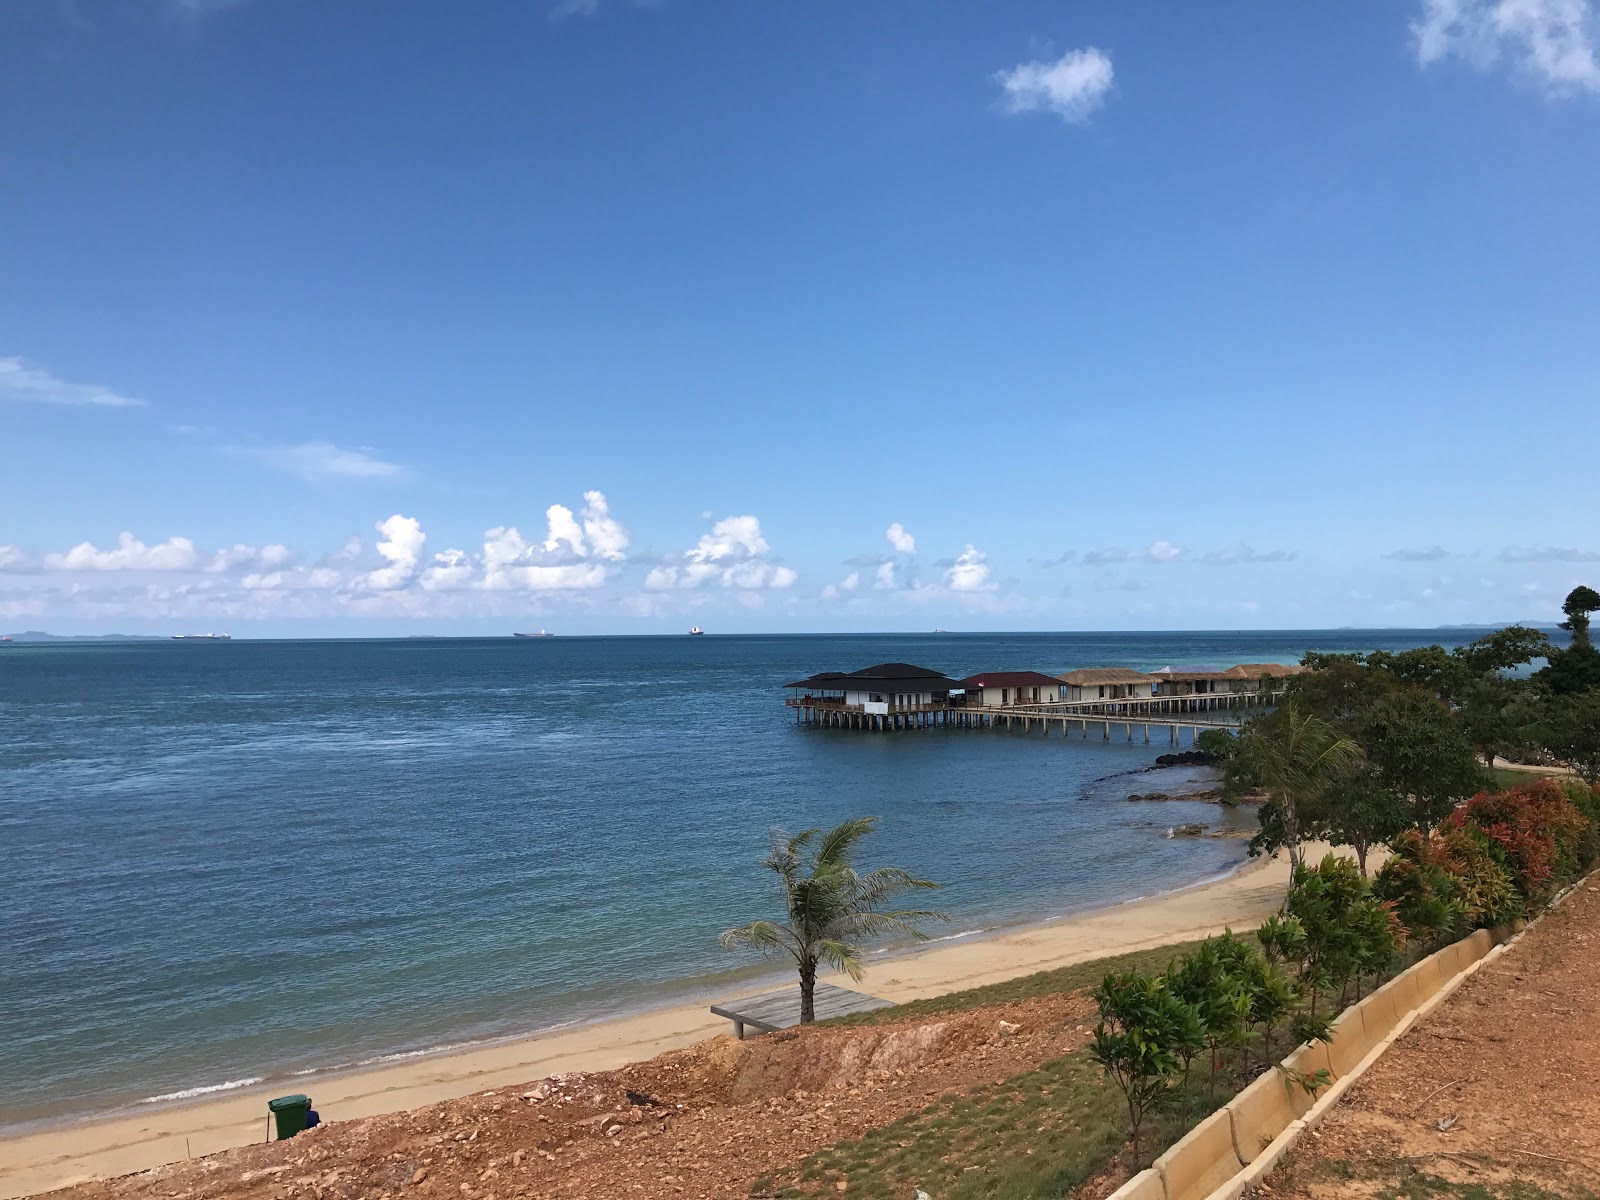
x=1537 y=829
x=1418 y=883
x=1142 y=1039
x=1347 y=932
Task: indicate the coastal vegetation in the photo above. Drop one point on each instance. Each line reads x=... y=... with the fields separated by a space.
x=1499 y=857
x=1428 y=726
x=829 y=908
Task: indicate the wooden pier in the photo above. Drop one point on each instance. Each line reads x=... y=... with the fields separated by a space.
x=1171 y=714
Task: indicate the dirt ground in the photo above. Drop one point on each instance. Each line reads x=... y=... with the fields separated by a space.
x=703 y=1122
x=1495 y=1094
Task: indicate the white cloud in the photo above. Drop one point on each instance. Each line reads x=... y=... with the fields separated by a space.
x=734 y=553
x=1551 y=42
x=11 y=556
x=1072 y=86
x=25 y=384
x=900 y=539
x=451 y=569
x=174 y=554
x=401 y=547
x=883 y=578
x=564 y=531
x=324 y=460
x=731 y=537
x=606 y=536
x=558 y=563
x=241 y=555
x=850 y=582
x=970 y=572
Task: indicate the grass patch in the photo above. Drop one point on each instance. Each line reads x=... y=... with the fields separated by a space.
x=1034 y=1135
x=1077 y=977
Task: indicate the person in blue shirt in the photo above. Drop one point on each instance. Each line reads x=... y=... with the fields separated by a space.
x=312 y=1118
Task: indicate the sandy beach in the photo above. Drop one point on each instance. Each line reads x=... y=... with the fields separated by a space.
x=126 y=1143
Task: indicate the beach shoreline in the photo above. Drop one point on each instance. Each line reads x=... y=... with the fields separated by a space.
x=128 y=1141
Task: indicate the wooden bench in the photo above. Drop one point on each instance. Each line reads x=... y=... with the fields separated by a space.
x=781 y=1009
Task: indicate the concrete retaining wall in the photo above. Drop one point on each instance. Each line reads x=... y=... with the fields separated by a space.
x=1238 y=1145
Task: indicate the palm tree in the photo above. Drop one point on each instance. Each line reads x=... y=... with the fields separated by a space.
x=1295 y=754
x=829 y=906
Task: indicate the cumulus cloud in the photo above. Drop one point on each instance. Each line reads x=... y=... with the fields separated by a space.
x=400 y=546
x=607 y=537
x=1072 y=86
x=130 y=554
x=731 y=537
x=848 y=584
x=451 y=569
x=24 y=383
x=1549 y=42
x=1554 y=554
x=734 y=553
x=902 y=541
x=11 y=556
x=1417 y=554
x=316 y=461
x=970 y=572
x=883 y=578
x=241 y=555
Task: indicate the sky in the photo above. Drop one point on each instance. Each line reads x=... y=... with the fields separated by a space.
x=605 y=316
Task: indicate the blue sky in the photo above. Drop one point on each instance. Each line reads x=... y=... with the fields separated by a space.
x=367 y=318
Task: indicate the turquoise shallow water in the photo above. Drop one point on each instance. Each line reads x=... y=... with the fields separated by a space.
x=225 y=862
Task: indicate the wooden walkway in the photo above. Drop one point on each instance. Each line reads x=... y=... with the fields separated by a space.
x=781 y=1009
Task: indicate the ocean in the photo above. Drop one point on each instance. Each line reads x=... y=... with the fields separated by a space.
x=232 y=862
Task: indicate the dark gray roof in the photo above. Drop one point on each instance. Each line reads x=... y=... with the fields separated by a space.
x=885 y=677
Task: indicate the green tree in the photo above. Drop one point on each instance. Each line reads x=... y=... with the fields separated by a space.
x=830 y=908
x=1294 y=754
x=1572 y=731
x=1580 y=602
x=1420 y=752
x=1513 y=646
x=1144 y=1036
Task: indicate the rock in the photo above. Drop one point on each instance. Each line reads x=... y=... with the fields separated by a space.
x=539 y=1092
x=1009 y=1027
x=1189 y=758
x=516 y=1157
x=420 y=1174
x=1187 y=831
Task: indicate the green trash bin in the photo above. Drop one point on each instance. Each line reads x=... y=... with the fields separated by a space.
x=289 y=1113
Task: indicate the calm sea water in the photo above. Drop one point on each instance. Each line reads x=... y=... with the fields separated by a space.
x=228 y=862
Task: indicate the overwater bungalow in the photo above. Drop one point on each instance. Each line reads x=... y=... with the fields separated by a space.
x=999 y=689
x=1192 y=681
x=877 y=691
x=1106 y=683
x=1248 y=677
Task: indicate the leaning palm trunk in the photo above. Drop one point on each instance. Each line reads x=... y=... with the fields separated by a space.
x=829 y=908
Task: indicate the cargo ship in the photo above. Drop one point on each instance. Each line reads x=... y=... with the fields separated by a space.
x=202 y=637
x=697 y=632
x=543 y=633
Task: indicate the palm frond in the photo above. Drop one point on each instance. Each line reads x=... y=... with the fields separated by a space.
x=834 y=849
